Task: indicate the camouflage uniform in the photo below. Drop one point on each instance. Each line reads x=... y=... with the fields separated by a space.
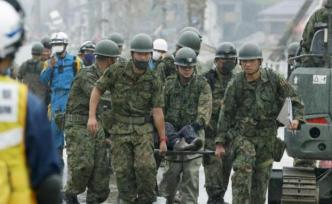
x=217 y=171
x=88 y=156
x=166 y=67
x=29 y=73
x=133 y=98
x=184 y=105
x=315 y=21
x=248 y=121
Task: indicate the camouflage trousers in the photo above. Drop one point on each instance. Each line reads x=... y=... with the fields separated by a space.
x=252 y=166
x=182 y=176
x=88 y=163
x=217 y=173
x=135 y=167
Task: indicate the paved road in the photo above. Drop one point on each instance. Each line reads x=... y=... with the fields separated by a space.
x=286 y=161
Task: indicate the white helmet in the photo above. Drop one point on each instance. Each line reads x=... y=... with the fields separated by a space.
x=11 y=29
x=160 y=44
x=59 y=38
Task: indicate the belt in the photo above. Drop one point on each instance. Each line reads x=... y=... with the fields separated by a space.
x=132 y=120
x=76 y=118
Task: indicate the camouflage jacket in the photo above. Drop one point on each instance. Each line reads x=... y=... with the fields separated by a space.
x=79 y=96
x=29 y=73
x=315 y=21
x=132 y=96
x=218 y=83
x=251 y=107
x=189 y=103
x=166 y=67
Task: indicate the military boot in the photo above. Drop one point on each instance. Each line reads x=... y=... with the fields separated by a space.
x=71 y=198
x=216 y=201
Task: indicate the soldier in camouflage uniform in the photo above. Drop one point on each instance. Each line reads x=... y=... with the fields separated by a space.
x=29 y=72
x=136 y=93
x=118 y=39
x=317 y=21
x=88 y=158
x=166 y=67
x=251 y=105
x=217 y=172
x=188 y=101
x=47 y=51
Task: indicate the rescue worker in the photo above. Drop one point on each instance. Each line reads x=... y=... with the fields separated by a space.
x=160 y=49
x=136 y=93
x=86 y=53
x=29 y=166
x=30 y=70
x=58 y=74
x=188 y=105
x=88 y=162
x=252 y=102
x=47 y=51
x=166 y=67
x=119 y=40
x=217 y=172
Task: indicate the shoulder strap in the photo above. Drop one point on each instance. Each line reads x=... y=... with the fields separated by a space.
x=272 y=79
x=75 y=65
x=211 y=78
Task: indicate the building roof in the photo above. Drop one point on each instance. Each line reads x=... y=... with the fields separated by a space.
x=283 y=8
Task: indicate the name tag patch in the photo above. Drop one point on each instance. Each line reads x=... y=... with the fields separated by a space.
x=8 y=102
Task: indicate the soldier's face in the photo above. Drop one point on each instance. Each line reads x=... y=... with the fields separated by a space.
x=186 y=71
x=250 y=66
x=142 y=56
x=46 y=54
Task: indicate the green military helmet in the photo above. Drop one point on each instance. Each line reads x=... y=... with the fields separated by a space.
x=292 y=49
x=189 y=39
x=141 y=43
x=107 y=48
x=250 y=51
x=185 y=57
x=37 y=49
x=46 y=41
x=192 y=29
x=226 y=50
x=117 y=38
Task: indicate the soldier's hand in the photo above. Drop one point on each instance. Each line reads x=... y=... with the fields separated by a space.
x=220 y=150
x=92 y=125
x=52 y=61
x=294 y=125
x=162 y=148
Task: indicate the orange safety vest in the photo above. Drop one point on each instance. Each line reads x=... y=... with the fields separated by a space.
x=14 y=177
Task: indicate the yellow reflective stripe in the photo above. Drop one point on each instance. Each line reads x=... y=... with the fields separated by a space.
x=11 y=138
x=23 y=102
x=78 y=61
x=45 y=65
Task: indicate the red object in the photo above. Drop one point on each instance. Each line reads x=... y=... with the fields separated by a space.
x=163 y=139
x=317 y=120
x=325 y=164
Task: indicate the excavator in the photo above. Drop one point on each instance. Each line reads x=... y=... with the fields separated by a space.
x=313 y=141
